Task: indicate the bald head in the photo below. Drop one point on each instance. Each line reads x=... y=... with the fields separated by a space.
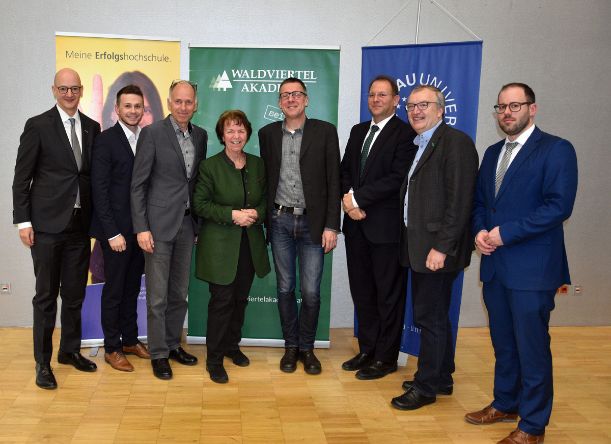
x=67 y=90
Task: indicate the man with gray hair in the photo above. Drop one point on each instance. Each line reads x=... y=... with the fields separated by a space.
x=165 y=171
x=436 y=244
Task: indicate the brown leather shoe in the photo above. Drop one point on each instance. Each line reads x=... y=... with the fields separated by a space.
x=489 y=415
x=118 y=361
x=139 y=349
x=520 y=437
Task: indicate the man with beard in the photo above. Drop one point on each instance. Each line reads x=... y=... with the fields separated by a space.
x=525 y=190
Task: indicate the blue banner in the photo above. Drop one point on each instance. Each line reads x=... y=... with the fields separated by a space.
x=455 y=69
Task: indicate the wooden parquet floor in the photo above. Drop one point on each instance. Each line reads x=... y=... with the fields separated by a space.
x=263 y=405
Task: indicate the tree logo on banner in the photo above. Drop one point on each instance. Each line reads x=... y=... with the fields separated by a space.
x=410 y=80
x=221 y=82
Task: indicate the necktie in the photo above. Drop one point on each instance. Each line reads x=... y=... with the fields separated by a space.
x=76 y=147
x=500 y=173
x=367 y=145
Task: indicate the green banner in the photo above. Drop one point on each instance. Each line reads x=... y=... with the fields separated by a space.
x=249 y=79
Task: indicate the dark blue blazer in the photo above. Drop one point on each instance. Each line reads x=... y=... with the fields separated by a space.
x=112 y=161
x=536 y=196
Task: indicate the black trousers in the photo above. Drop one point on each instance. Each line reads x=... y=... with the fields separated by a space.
x=431 y=299
x=61 y=262
x=122 y=273
x=227 y=307
x=377 y=285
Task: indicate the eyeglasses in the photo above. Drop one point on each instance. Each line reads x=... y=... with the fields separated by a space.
x=293 y=94
x=64 y=89
x=513 y=107
x=179 y=81
x=421 y=106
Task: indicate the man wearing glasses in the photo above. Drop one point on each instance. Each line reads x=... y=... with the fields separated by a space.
x=377 y=156
x=52 y=210
x=525 y=191
x=163 y=179
x=301 y=158
x=436 y=243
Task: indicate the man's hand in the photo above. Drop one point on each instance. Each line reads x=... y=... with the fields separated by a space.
x=356 y=214
x=118 y=243
x=435 y=260
x=27 y=236
x=329 y=240
x=347 y=202
x=482 y=243
x=494 y=237
x=145 y=241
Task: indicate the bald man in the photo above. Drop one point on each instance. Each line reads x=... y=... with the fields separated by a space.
x=52 y=210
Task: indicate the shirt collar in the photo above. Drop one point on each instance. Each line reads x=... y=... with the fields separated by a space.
x=522 y=138
x=64 y=115
x=423 y=139
x=129 y=133
x=382 y=123
x=178 y=129
x=300 y=129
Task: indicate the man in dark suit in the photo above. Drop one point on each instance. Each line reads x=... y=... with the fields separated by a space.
x=52 y=209
x=164 y=176
x=301 y=158
x=112 y=161
x=436 y=244
x=525 y=191
x=377 y=156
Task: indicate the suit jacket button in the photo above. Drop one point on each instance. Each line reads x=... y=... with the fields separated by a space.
x=494 y=210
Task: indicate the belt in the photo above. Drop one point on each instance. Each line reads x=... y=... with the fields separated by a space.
x=292 y=210
x=187 y=211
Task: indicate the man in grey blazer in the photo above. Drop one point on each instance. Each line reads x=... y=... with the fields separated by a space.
x=165 y=171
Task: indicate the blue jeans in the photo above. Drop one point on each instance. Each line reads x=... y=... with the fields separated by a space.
x=290 y=240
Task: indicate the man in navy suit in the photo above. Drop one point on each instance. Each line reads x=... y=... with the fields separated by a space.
x=52 y=210
x=525 y=190
x=112 y=161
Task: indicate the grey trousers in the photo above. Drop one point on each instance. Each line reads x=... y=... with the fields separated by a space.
x=167 y=282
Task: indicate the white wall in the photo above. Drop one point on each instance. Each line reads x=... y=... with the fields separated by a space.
x=562 y=48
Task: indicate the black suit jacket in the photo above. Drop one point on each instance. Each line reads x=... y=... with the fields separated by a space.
x=112 y=161
x=46 y=175
x=319 y=166
x=440 y=199
x=376 y=189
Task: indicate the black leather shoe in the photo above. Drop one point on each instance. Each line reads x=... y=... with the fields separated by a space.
x=447 y=390
x=358 y=362
x=376 y=370
x=77 y=360
x=180 y=355
x=238 y=358
x=44 y=377
x=288 y=363
x=311 y=364
x=411 y=400
x=217 y=373
x=161 y=368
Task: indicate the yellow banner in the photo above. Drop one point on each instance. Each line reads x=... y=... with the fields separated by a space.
x=106 y=64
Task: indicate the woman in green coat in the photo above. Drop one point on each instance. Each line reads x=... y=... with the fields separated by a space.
x=230 y=199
